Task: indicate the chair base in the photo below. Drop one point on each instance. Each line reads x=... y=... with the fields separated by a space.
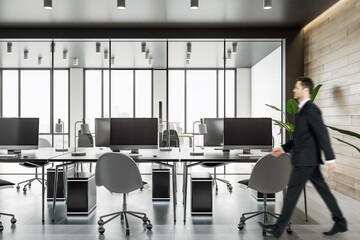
x=228 y=184
x=123 y=215
x=12 y=220
x=29 y=183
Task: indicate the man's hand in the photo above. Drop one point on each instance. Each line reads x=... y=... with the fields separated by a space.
x=331 y=167
x=276 y=152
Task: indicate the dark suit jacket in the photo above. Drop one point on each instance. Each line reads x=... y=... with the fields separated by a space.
x=310 y=137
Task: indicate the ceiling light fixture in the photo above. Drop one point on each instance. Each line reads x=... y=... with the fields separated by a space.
x=143 y=47
x=188 y=55
x=9 y=47
x=234 y=47
x=194 y=4
x=98 y=46
x=26 y=54
x=229 y=54
x=39 y=60
x=188 y=47
x=150 y=60
x=187 y=61
x=106 y=54
x=65 y=54
x=48 y=4
x=75 y=61
x=112 y=60
x=147 y=54
x=121 y=4
x=267 y=4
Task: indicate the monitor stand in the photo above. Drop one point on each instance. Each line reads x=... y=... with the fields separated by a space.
x=11 y=152
x=166 y=149
x=134 y=153
x=246 y=152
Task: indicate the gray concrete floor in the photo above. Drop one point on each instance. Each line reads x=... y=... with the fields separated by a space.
x=221 y=225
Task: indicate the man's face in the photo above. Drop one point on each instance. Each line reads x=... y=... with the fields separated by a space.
x=298 y=90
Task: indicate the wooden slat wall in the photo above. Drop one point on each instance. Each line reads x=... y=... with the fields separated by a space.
x=332 y=58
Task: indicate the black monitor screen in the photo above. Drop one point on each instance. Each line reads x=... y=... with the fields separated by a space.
x=102 y=132
x=133 y=133
x=19 y=133
x=248 y=133
x=215 y=132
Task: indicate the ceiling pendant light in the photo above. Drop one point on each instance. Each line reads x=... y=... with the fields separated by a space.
x=112 y=60
x=106 y=54
x=234 y=47
x=98 y=46
x=48 y=4
x=147 y=54
x=65 y=54
x=121 y=4
x=194 y=4
x=267 y=4
x=39 y=60
x=9 y=47
x=188 y=47
x=26 y=54
x=229 y=54
x=143 y=47
x=150 y=60
x=188 y=56
x=75 y=61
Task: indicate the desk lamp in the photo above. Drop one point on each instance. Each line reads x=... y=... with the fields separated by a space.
x=202 y=131
x=59 y=128
x=84 y=130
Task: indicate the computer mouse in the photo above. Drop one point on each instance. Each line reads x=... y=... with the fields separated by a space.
x=154 y=155
x=25 y=156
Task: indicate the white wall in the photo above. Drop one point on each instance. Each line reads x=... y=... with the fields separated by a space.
x=243 y=92
x=266 y=89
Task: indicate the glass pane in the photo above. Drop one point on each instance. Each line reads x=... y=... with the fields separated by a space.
x=201 y=96
x=61 y=97
x=10 y=93
x=92 y=97
x=122 y=93
x=106 y=91
x=230 y=93
x=177 y=99
x=143 y=93
x=58 y=141
x=35 y=96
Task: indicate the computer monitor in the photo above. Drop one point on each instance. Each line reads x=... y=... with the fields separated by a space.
x=18 y=134
x=133 y=133
x=215 y=132
x=248 y=133
x=102 y=132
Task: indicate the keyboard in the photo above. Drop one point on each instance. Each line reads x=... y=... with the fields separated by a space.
x=9 y=156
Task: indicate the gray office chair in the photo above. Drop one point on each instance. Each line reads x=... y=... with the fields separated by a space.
x=43 y=143
x=174 y=139
x=270 y=175
x=215 y=165
x=6 y=184
x=118 y=173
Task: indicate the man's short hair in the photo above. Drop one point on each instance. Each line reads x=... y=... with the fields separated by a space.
x=306 y=82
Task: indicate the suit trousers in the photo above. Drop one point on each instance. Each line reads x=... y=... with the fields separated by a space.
x=298 y=179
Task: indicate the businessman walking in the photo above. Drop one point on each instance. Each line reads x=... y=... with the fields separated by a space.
x=309 y=138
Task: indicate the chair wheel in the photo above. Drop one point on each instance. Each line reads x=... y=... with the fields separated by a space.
x=24 y=189
x=230 y=187
x=289 y=230
x=100 y=222
x=13 y=220
x=264 y=233
x=127 y=233
x=149 y=226
x=145 y=219
x=17 y=187
x=29 y=184
x=101 y=230
x=240 y=226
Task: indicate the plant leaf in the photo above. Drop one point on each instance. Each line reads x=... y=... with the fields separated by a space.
x=291 y=106
x=347 y=143
x=273 y=107
x=291 y=126
x=315 y=92
x=350 y=133
x=284 y=125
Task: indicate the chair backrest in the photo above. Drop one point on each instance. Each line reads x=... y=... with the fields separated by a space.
x=271 y=174
x=174 y=138
x=85 y=140
x=118 y=173
x=44 y=143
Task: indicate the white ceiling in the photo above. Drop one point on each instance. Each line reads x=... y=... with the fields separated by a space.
x=249 y=13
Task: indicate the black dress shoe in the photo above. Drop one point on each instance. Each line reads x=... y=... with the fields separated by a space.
x=338 y=227
x=270 y=229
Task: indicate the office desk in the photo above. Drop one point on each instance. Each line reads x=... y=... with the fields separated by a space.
x=40 y=155
x=211 y=155
x=146 y=156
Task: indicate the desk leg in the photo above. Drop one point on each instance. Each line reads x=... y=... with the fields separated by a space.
x=54 y=194
x=185 y=189
x=174 y=190
x=43 y=194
